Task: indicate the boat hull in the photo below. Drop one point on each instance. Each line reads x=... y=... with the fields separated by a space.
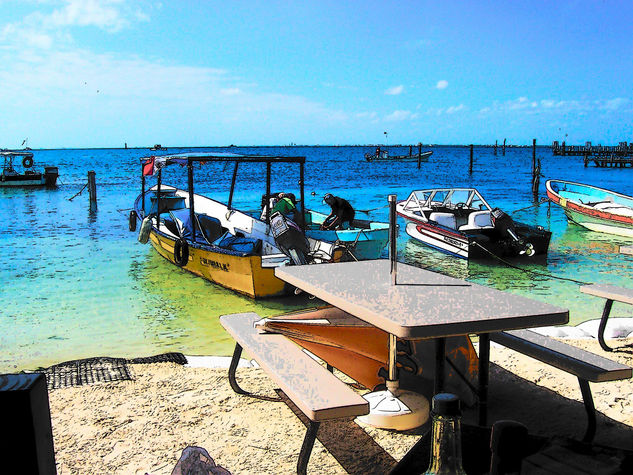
x=482 y=245
x=242 y=274
x=38 y=179
x=424 y=157
x=593 y=208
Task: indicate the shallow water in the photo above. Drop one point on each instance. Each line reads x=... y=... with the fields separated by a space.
x=78 y=284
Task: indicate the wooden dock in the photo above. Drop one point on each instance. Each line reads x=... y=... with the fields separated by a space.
x=609 y=160
x=623 y=149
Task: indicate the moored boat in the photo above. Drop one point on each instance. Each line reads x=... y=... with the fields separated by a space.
x=30 y=176
x=459 y=222
x=363 y=240
x=216 y=241
x=594 y=208
x=384 y=156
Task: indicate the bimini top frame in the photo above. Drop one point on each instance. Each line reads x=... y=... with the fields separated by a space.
x=153 y=165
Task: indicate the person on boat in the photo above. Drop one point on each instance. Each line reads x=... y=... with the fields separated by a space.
x=285 y=205
x=342 y=213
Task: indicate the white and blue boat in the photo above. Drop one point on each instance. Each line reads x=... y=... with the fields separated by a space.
x=459 y=222
x=363 y=240
x=594 y=208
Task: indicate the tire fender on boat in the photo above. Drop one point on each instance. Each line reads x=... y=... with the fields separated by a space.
x=132 y=221
x=27 y=162
x=181 y=252
x=146 y=227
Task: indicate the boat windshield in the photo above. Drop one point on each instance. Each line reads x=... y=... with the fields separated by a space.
x=446 y=198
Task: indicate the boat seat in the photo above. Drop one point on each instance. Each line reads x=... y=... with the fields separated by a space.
x=211 y=227
x=478 y=220
x=444 y=219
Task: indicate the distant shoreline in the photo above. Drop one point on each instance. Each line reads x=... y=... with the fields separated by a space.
x=288 y=146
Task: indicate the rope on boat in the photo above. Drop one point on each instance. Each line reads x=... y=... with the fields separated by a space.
x=543 y=200
x=70 y=199
x=550 y=276
x=367 y=211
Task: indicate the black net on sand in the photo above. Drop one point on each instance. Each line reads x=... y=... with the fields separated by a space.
x=100 y=369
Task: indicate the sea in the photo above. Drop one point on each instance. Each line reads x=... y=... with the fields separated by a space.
x=76 y=283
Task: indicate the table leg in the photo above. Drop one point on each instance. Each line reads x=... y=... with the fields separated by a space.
x=484 y=366
x=603 y=324
x=440 y=358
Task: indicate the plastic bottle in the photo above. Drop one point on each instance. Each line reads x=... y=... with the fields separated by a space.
x=446 y=436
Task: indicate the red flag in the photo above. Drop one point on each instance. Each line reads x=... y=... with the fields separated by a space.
x=148 y=167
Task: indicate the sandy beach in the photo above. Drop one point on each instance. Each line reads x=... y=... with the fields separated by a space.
x=142 y=426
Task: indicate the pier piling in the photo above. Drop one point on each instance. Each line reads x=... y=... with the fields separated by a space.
x=92 y=189
x=504 y=147
x=536 y=171
x=470 y=167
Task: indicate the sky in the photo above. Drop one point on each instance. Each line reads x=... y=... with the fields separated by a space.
x=102 y=73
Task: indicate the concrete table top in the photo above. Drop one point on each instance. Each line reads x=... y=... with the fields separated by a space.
x=423 y=304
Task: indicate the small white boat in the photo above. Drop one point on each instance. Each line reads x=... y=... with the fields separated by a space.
x=459 y=222
x=384 y=156
x=594 y=208
x=30 y=176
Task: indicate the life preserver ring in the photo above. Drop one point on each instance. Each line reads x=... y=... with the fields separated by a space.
x=27 y=162
x=132 y=221
x=146 y=227
x=181 y=252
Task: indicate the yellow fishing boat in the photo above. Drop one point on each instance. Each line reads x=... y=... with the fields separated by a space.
x=217 y=242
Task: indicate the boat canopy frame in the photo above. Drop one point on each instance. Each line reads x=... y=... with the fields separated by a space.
x=426 y=198
x=189 y=159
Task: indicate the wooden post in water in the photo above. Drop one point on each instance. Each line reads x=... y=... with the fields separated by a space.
x=92 y=189
x=419 y=154
x=504 y=147
x=496 y=146
x=536 y=171
x=470 y=168
x=410 y=150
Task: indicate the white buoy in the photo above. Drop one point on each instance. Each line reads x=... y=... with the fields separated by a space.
x=146 y=227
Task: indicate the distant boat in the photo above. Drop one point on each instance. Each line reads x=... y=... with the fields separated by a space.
x=158 y=147
x=459 y=222
x=594 y=208
x=29 y=176
x=384 y=156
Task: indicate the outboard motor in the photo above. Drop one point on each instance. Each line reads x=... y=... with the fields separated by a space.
x=289 y=238
x=505 y=226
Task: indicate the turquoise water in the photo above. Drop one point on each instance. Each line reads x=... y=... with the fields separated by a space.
x=77 y=284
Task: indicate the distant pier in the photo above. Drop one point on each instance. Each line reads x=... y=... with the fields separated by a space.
x=623 y=149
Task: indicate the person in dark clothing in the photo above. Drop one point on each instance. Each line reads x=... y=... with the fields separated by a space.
x=342 y=213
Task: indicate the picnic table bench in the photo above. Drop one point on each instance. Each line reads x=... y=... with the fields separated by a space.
x=311 y=387
x=583 y=364
x=610 y=293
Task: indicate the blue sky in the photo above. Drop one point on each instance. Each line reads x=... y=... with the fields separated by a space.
x=97 y=73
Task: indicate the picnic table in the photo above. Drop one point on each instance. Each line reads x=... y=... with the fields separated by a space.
x=423 y=305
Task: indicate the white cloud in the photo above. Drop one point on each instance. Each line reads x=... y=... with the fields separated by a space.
x=232 y=91
x=453 y=109
x=526 y=105
x=394 y=91
x=400 y=115
x=442 y=84
x=108 y=15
